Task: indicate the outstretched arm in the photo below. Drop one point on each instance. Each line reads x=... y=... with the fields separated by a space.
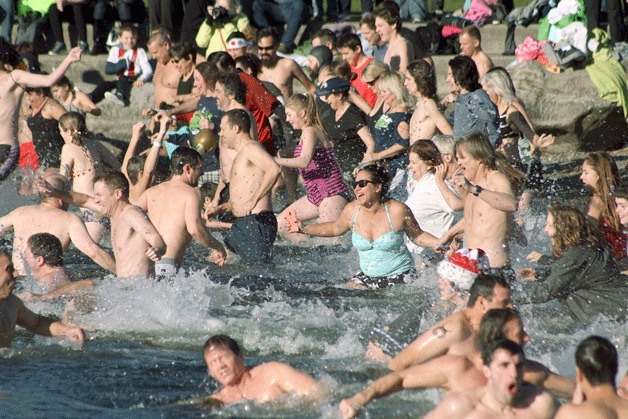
x=24 y=78
x=414 y=232
x=540 y=376
x=46 y=327
x=332 y=228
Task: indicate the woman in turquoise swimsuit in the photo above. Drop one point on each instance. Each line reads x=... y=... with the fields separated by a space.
x=378 y=226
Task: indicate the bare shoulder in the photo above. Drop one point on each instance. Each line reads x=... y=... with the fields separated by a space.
x=540 y=401
x=586 y=410
x=457 y=404
x=499 y=182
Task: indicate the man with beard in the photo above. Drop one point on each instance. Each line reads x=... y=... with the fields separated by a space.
x=174 y=207
x=279 y=71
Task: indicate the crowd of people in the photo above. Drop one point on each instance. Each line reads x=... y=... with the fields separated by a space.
x=423 y=184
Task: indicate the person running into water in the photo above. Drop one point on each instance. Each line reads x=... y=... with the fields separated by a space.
x=327 y=194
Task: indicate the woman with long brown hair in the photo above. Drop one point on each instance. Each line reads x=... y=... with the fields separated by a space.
x=583 y=276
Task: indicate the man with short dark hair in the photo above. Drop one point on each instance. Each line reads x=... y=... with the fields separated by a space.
x=350 y=48
x=44 y=257
x=265 y=382
x=595 y=395
x=13 y=312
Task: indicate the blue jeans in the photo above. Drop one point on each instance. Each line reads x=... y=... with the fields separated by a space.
x=412 y=9
x=277 y=12
x=7 y=13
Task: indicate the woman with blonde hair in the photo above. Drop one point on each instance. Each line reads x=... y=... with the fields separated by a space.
x=371 y=75
x=81 y=156
x=601 y=176
x=392 y=132
x=327 y=194
x=583 y=276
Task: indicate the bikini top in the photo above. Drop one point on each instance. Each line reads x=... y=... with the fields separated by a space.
x=386 y=255
x=79 y=173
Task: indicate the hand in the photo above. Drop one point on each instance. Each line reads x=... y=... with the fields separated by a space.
x=138 y=129
x=59 y=5
x=163 y=125
x=441 y=172
x=76 y=334
x=527 y=274
x=138 y=83
x=205 y=123
x=148 y=112
x=454 y=246
x=534 y=257
x=544 y=140
x=369 y=156
x=219 y=256
x=74 y=54
x=462 y=182
x=160 y=115
x=349 y=408
x=153 y=254
x=294 y=224
x=211 y=211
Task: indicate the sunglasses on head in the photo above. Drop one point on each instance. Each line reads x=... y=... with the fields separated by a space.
x=362 y=183
x=265 y=48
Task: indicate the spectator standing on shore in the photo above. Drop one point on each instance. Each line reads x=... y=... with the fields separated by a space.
x=223 y=19
x=292 y=13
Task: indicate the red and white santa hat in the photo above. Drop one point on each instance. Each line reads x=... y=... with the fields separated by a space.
x=463 y=266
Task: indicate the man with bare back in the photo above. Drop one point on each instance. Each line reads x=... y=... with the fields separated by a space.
x=174 y=208
x=166 y=77
x=51 y=216
x=12 y=85
x=489 y=202
x=253 y=174
x=279 y=71
x=471 y=46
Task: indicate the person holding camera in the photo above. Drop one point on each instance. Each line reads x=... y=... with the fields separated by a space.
x=221 y=20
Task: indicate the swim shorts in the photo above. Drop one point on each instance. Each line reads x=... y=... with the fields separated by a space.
x=505 y=272
x=378 y=282
x=28 y=156
x=8 y=158
x=251 y=237
x=90 y=216
x=165 y=268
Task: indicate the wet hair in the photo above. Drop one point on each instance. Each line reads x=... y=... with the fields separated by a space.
x=114 y=180
x=369 y=20
x=393 y=83
x=341 y=68
x=499 y=79
x=182 y=156
x=351 y=41
x=128 y=27
x=8 y=54
x=478 y=147
x=48 y=247
x=233 y=86
x=160 y=38
x=374 y=70
x=268 y=32
x=306 y=102
x=223 y=341
x=489 y=349
x=445 y=144
x=465 y=72
x=428 y=152
x=380 y=174
x=493 y=324
x=249 y=62
x=472 y=32
x=208 y=72
x=571 y=228
x=596 y=358
x=424 y=76
x=134 y=167
x=484 y=285
x=239 y=118
x=327 y=37
x=608 y=179
x=388 y=11
x=75 y=122
x=222 y=60
x=185 y=50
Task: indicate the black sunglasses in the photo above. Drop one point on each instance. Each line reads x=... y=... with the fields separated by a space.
x=362 y=183
x=266 y=48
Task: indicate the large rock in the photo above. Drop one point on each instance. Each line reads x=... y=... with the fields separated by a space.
x=568 y=105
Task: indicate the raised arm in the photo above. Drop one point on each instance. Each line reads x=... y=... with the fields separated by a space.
x=84 y=243
x=455 y=202
x=24 y=78
x=130 y=151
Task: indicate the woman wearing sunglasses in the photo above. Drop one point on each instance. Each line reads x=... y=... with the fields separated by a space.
x=378 y=226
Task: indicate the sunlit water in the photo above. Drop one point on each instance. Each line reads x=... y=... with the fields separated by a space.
x=144 y=352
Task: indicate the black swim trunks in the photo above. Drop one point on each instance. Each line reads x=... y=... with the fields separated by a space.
x=9 y=155
x=252 y=237
x=377 y=282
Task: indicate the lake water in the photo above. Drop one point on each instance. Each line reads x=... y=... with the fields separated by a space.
x=145 y=339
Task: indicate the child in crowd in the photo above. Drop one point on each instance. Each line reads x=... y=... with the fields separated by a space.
x=130 y=63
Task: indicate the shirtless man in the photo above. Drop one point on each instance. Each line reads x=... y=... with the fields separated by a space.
x=13 y=312
x=458 y=333
x=595 y=396
x=263 y=383
x=174 y=208
x=253 y=174
x=51 y=216
x=471 y=46
x=279 y=71
x=166 y=77
x=488 y=202
x=44 y=258
x=457 y=373
x=12 y=84
x=505 y=395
